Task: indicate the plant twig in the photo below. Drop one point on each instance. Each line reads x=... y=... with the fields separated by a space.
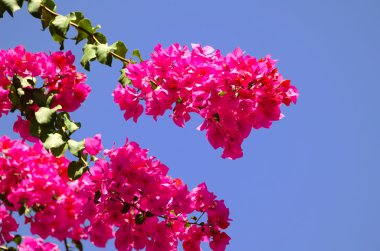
x=124 y=60
x=67 y=247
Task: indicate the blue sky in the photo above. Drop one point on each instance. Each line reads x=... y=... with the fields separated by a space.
x=311 y=182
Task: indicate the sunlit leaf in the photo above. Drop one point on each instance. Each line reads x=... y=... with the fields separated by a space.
x=44 y=115
x=119 y=48
x=103 y=54
x=75 y=147
x=89 y=54
x=53 y=140
x=84 y=29
x=76 y=169
x=10 y=6
x=34 y=8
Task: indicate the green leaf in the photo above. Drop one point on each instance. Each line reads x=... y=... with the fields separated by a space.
x=140 y=219
x=76 y=169
x=97 y=196
x=78 y=245
x=35 y=128
x=20 y=2
x=49 y=99
x=75 y=17
x=123 y=79
x=13 y=96
x=187 y=225
x=3 y=197
x=103 y=54
x=21 y=210
x=59 y=151
x=72 y=126
x=56 y=36
x=153 y=84
x=119 y=48
x=54 y=140
x=44 y=115
x=50 y=4
x=2 y=9
x=39 y=97
x=58 y=29
x=17 y=239
x=97 y=27
x=20 y=92
x=46 y=18
x=28 y=82
x=136 y=53
x=149 y=214
x=10 y=6
x=84 y=25
x=125 y=208
x=64 y=120
x=75 y=147
x=62 y=25
x=222 y=93
x=89 y=54
x=100 y=37
x=34 y=8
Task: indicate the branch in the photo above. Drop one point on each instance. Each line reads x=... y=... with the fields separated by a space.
x=55 y=14
x=96 y=47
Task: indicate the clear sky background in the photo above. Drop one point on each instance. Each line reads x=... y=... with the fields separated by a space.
x=311 y=182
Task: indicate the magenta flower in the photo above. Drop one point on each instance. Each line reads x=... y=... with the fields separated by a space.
x=7 y=225
x=233 y=94
x=93 y=145
x=31 y=244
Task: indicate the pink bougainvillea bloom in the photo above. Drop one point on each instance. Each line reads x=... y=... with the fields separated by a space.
x=218 y=214
x=22 y=127
x=31 y=244
x=93 y=145
x=220 y=241
x=7 y=225
x=128 y=100
x=5 y=103
x=100 y=232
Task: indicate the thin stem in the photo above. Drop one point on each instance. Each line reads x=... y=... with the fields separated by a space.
x=124 y=60
x=162 y=216
x=67 y=247
x=199 y=217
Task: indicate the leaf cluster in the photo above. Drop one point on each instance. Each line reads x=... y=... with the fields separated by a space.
x=51 y=125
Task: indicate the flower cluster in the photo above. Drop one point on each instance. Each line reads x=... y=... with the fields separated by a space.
x=35 y=182
x=130 y=198
x=233 y=94
x=60 y=77
x=149 y=208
